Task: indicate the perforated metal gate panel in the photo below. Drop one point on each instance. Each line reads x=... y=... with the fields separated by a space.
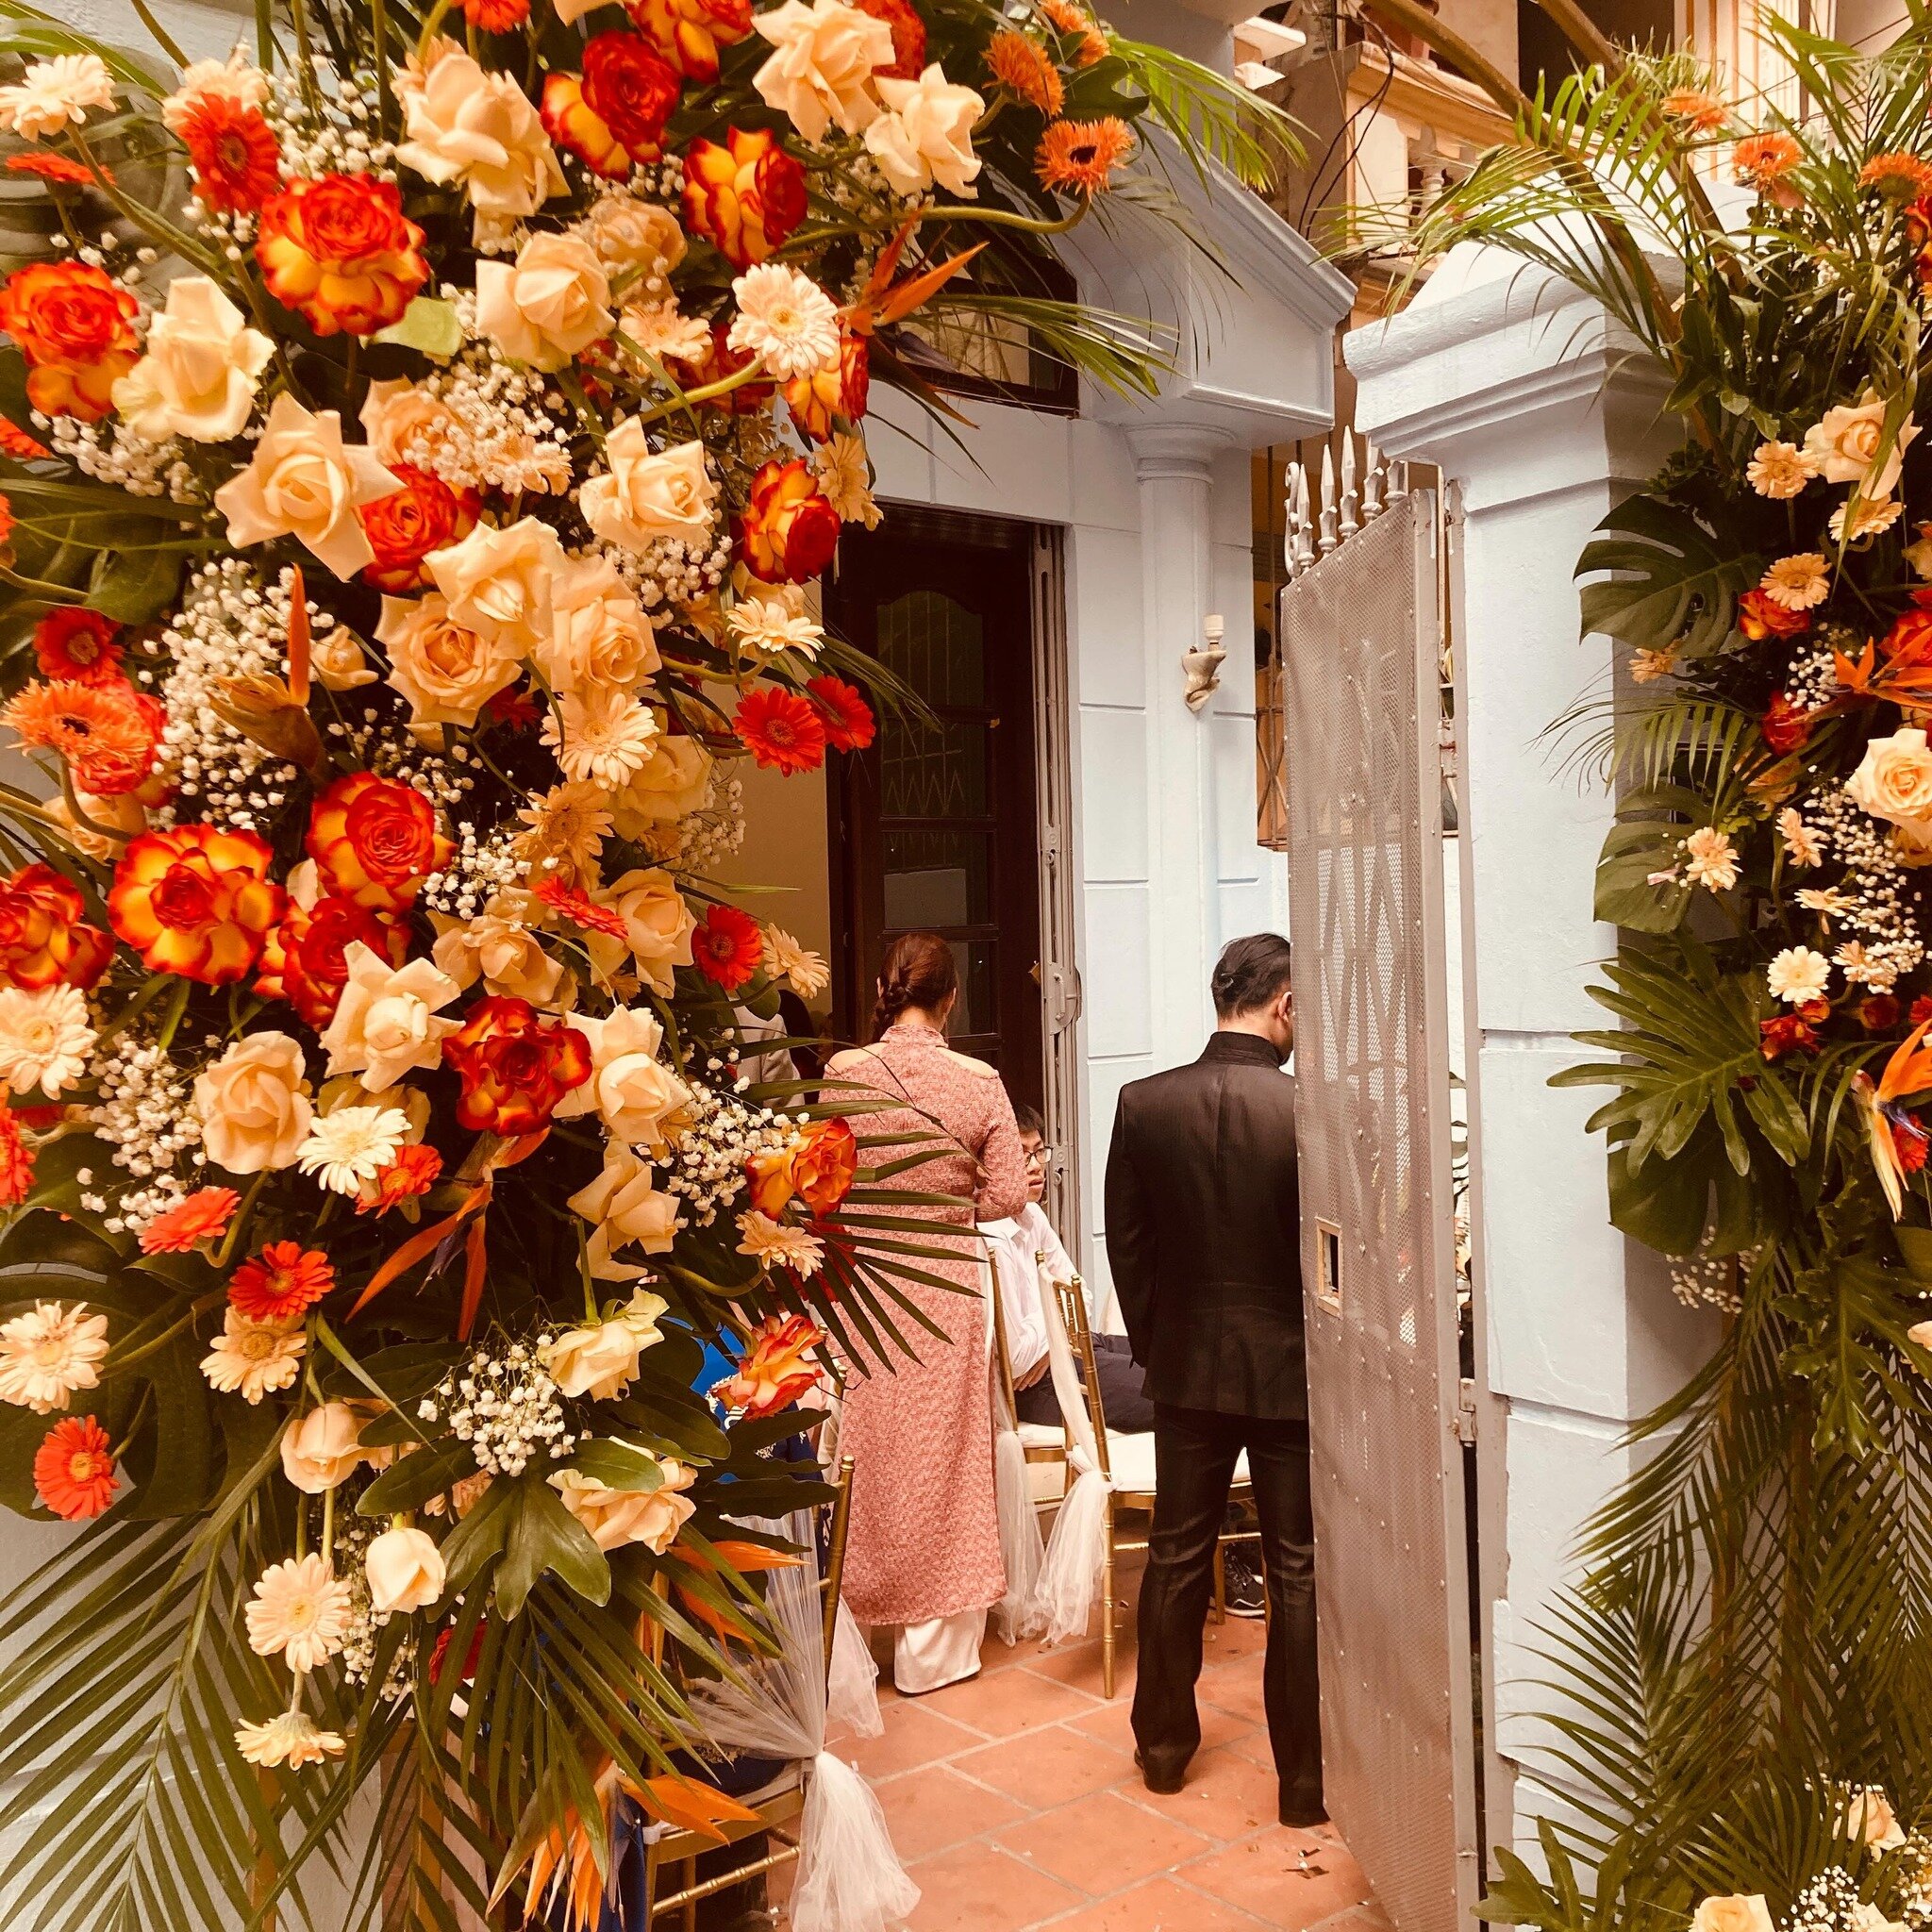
x=1359 y=643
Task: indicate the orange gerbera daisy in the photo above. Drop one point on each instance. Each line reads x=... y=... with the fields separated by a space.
x=578 y=907
x=1070 y=17
x=783 y=731
x=1079 y=157
x=60 y=169
x=15 y=441
x=236 y=156
x=201 y=1217
x=496 y=16
x=281 y=1283
x=1021 y=67
x=105 y=732
x=74 y=1469
x=1905 y=174
x=413 y=1172
x=1701 y=111
x=16 y=1158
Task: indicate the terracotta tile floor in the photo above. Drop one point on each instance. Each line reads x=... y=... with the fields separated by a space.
x=1014 y=1801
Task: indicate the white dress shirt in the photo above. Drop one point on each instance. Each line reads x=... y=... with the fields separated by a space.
x=1013 y=1246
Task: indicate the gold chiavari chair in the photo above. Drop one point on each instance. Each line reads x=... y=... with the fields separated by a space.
x=778 y=1811
x=1127 y=1463
x=1043 y=1445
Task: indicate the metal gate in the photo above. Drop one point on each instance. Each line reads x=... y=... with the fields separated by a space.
x=1360 y=645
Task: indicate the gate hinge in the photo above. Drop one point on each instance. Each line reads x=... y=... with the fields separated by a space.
x=1465 y=1410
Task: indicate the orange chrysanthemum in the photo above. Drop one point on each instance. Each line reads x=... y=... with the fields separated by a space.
x=1070 y=17
x=1907 y=176
x=196 y=901
x=413 y=1172
x=16 y=1158
x=108 y=733
x=1703 y=112
x=202 y=1217
x=60 y=169
x=496 y=16
x=1079 y=157
x=1021 y=67
x=281 y=1283
x=1761 y=157
x=74 y=1469
x=238 y=161
x=15 y=441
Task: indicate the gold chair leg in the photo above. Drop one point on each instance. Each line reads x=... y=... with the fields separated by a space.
x=1106 y=1606
x=1220 y=1582
x=690 y=1905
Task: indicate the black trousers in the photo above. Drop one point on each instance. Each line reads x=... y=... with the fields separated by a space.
x=1194 y=1455
x=1123 y=1391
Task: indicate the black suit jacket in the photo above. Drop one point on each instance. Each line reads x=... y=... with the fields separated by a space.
x=1204 y=1232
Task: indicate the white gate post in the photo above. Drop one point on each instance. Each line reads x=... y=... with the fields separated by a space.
x=1517 y=388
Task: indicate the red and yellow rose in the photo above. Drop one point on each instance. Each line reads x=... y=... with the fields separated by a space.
x=688 y=33
x=339 y=250
x=423 y=515
x=377 y=839
x=777 y=1368
x=74 y=325
x=45 y=938
x=196 y=901
x=305 y=959
x=835 y=390
x=745 y=195
x=820 y=1166
x=789 y=530
x=515 y=1066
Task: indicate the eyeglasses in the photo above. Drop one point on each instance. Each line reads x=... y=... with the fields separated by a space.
x=1039 y=1156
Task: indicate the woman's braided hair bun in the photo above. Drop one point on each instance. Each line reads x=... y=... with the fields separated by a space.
x=918 y=971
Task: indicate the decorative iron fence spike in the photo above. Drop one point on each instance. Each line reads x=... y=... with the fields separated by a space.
x=1349 y=525
x=1328 y=539
x=1371 y=482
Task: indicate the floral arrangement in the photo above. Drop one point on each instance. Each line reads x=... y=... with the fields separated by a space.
x=1747 y=1667
x=422 y=431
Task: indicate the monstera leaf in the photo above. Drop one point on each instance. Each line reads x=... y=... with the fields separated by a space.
x=1672 y=581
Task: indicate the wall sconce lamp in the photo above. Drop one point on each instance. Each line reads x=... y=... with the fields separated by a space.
x=1201 y=666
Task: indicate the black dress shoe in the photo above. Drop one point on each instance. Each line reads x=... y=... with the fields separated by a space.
x=1162 y=1783
x=1303 y=1812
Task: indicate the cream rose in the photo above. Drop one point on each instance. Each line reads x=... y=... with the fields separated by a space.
x=1894 y=778
x=498 y=949
x=638 y=1095
x=403 y=424
x=1871 y=1820
x=203 y=366
x=322 y=1449
x=822 y=63
x=616 y=1517
x=634 y=234
x=601 y=1359
x=625 y=1207
x=658 y=928
x=547 y=307
x=447 y=672
x=405 y=1571
x=467 y=124
x=499 y=582
x=672 y=786
x=387 y=1020
x=253 y=1104
x=646 y=494
x=1844 y=448
x=599 y=634
x=124 y=812
x=1734 y=1913
x=927 y=134
x=337 y=658
x=306 y=483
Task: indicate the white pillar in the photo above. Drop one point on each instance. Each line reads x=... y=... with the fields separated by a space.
x=1173 y=464
x=1515 y=386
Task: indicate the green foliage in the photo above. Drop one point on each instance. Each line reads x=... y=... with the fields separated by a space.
x=1674 y=582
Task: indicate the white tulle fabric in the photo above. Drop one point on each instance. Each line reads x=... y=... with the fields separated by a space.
x=849 y=1879
x=1070 y=1577
x=852 y=1697
x=1017 y=1613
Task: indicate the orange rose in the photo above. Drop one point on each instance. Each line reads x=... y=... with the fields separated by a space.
x=304 y=959
x=1909 y=640
x=775 y=1370
x=196 y=901
x=826 y=1164
x=1759 y=618
x=789 y=531
x=830 y=392
x=688 y=33
x=722 y=359
x=340 y=250
x=909 y=38
x=514 y=1066
x=423 y=515
x=613 y=116
x=76 y=328
x=745 y=196
x=377 y=839
x=44 y=939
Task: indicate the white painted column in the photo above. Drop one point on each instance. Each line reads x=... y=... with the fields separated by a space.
x=1173 y=464
x=1513 y=385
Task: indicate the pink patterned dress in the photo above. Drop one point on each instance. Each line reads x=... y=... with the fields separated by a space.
x=925 y=1537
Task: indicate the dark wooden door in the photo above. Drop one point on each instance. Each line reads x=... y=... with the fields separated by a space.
x=936 y=827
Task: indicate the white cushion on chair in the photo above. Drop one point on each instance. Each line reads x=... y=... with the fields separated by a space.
x=1131 y=1459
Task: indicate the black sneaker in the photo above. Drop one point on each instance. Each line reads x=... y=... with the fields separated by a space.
x=1247 y=1596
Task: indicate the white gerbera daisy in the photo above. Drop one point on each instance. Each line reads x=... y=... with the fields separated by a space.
x=770 y=1241
x=1802 y=845
x=352 y=1145
x=1711 y=860
x=299 y=1610
x=1798 y=974
x=292 y=1739
x=254 y=1359
x=45 y=1037
x=601 y=735
x=48 y=1353
x=785 y=318
x=845 y=479
x=57 y=94
x=807 y=970
x=1855 y=518
x=766 y=626
x=657 y=329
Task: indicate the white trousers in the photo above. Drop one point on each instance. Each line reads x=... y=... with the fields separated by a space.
x=941 y=1651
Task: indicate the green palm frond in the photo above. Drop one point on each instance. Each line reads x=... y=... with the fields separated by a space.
x=1214 y=120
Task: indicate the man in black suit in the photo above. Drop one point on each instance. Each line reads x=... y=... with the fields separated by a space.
x=1204 y=1238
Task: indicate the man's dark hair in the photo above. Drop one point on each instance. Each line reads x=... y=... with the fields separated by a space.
x=1028 y=1118
x=1250 y=973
